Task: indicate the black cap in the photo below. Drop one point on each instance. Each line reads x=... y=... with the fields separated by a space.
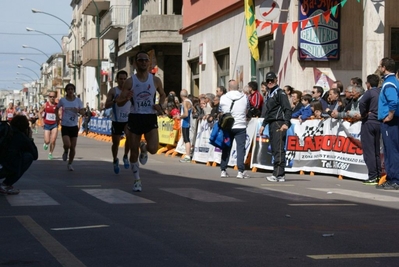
x=271 y=75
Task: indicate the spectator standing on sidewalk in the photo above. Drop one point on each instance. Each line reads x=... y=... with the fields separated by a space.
x=388 y=114
x=278 y=116
x=185 y=117
x=239 y=129
x=119 y=121
x=370 y=131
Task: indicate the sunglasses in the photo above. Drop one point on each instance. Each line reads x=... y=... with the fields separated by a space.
x=51 y=96
x=143 y=60
x=269 y=81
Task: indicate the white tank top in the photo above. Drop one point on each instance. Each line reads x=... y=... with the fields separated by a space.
x=144 y=95
x=120 y=114
x=70 y=111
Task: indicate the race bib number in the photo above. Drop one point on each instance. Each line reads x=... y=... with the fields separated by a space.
x=144 y=104
x=123 y=115
x=10 y=115
x=50 y=116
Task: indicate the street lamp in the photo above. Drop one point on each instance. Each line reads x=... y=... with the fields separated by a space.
x=22 y=58
x=27 y=46
x=33 y=30
x=34 y=10
x=22 y=67
x=18 y=73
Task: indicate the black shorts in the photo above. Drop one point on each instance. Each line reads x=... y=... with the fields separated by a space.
x=118 y=128
x=69 y=131
x=186 y=134
x=142 y=123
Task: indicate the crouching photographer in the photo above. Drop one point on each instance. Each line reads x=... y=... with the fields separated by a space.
x=18 y=151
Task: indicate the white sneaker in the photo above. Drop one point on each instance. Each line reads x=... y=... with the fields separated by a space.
x=242 y=175
x=70 y=168
x=275 y=179
x=137 y=185
x=143 y=154
x=224 y=174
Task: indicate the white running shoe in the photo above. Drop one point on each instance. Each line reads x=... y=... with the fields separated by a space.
x=143 y=154
x=242 y=175
x=224 y=174
x=137 y=185
x=70 y=168
x=275 y=179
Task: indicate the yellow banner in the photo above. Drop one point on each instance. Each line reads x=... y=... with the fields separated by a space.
x=250 y=23
x=167 y=135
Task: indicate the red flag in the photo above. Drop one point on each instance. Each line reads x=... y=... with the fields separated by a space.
x=316 y=21
x=294 y=26
x=284 y=27
x=265 y=24
x=274 y=26
x=326 y=15
x=303 y=23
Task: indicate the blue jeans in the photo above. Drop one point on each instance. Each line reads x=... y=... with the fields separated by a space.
x=390 y=137
x=240 y=135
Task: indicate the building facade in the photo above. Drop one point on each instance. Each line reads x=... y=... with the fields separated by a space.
x=304 y=42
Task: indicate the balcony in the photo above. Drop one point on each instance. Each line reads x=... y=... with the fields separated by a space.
x=89 y=8
x=113 y=21
x=89 y=52
x=160 y=29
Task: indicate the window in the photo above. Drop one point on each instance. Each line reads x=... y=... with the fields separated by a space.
x=395 y=45
x=266 y=57
x=194 y=66
x=223 y=67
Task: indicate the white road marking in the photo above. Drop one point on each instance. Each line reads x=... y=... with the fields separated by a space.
x=323 y=204
x=200 y=195
x=282 y=194
x=31 y=198
x=80 y=227
x=354 y=256
x=358 y=194
x=116 y=196
x=83 y=185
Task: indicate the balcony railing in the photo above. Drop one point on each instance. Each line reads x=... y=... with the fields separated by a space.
x=89 y=52
x=89 y=8
x=116 y=18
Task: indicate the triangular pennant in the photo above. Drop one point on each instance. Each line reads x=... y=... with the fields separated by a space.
x=304 y=22
x=294 y=26
x=343 y=2
x=316 y=21
x=284 y=27
x=274 y=26
x=285 y=66
x=334 y=10
x=265 y=24
x=358 y=1
x=292 y=51
x=326 y=15
x=257 y=23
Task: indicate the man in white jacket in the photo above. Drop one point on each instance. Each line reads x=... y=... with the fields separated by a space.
x=239 y=129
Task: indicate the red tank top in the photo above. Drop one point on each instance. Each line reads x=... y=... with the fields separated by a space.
x=49 y=114
x=10 y=114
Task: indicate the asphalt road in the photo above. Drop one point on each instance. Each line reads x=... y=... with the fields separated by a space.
x=188 y=216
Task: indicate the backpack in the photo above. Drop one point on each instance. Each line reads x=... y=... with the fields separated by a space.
x=5 y=137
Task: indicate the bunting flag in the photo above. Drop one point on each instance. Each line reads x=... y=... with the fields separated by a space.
x=294 y=25
x=250 y=22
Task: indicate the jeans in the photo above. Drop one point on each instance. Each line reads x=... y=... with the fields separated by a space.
x=240 y=135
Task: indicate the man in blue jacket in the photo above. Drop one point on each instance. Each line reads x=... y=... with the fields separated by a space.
x=388 y=114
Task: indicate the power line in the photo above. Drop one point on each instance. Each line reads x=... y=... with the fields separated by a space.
x=13 y=33
x=17 y=53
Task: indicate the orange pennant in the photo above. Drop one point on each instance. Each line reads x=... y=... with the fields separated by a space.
x=303 y=23
x=257 y=23
x=274 y=26
x=294 y=26
x=316 y=21
x=284 y=27
x=326 y=15
x=265 y=24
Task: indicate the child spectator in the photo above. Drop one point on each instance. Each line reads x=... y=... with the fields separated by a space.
x=317 y=109
x=305 y=112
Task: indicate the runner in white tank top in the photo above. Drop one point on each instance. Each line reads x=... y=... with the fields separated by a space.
x=140 y=90
x=119 y=116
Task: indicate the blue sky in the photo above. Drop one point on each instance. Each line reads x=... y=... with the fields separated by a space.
x=16 y=16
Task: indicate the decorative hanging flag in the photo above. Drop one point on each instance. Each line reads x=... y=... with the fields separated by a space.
x=250 y=23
